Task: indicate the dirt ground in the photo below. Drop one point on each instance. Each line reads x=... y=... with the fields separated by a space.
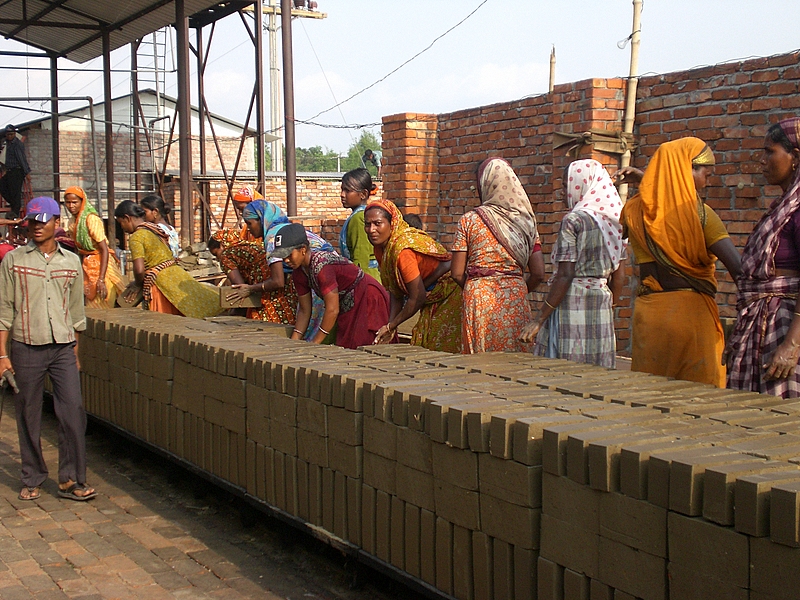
x=157 y=531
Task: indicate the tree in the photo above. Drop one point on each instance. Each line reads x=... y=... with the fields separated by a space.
x=367 y=141
x=315 y=159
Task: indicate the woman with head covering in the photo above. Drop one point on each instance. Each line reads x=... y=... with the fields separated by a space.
x=356 y=305
x=102 y=278
x=165 y=286
x=764 y=347
x=156 y=211
x=354 y=244
x=676 y=240
x=576 y=321
x=245 y=264
x=264 y=220
x=244 y=196
x=416 y=271
x=494 y=243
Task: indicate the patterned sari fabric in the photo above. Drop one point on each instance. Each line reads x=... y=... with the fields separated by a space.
x=667 y=218
x=250 y=259
x=766 y=303
x=439 y=324
x=87 y=231
x=363 y=302
x=494 y=306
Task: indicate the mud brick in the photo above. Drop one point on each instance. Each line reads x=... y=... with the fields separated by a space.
x=397 y=532
x=511 y=523
x=604 y=460
x=510 y=480
x=312 y=448
x=325 y=493
x=503 y=567
x=773 y=573
x=400 y=397
x=720 y=483
x=600 y=591
x=635 y=523
x=569 y=545
x=550 y=580
x=527 y=433
x=415 y=487
x=785 y=514
x=436 y=417
x=312 y=416
x=578 y=448
x=455 y=466
x=634 y=461
x=482 y=563
x=380 y=438
x=500 y=438
x=620 y=595
x=303 y=491
x=463 y=586
x=283 y=408
x=572 y=502
x=752 y=494
x=345 y=459
x=444 y=555
x=576 y=586
x=427 y=551
x=380 y=472
x=554 y=442
x=340 y=505
x=144 y=362
x=635 y=572
x=478 y=423
x=145 y=386
x=525 y=572
x=690 y=584
x=414 y=449
x=353 y=389
x=660 y=468
x=686 y=481
x=457 y=428
x=368 y=516
x=761 y=445
x=345 y=426
x=411 y=537
x=710 y=550
x=456 y=504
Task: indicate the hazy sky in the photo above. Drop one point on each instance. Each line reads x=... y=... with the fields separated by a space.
x=500 y=53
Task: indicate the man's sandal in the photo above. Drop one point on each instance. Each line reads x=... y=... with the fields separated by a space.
x=70 y=494
x=29 y=493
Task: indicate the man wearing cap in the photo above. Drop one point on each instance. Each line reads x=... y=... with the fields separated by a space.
x=16 y=171
x=41 y=307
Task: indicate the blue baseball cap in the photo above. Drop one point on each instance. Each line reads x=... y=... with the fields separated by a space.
x=42 y=209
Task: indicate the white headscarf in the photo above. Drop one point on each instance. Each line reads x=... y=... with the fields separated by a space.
x=590 y=190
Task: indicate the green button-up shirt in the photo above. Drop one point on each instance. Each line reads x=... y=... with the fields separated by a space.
x=41 y=300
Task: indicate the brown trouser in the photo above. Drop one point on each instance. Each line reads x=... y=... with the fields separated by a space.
x=31 y=363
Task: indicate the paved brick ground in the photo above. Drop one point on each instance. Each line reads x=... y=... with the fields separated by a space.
x=154 y=532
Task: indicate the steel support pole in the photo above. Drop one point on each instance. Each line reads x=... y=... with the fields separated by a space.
x=258 y=5
x=633 y=84
x=108 y=112
x=136 y=109
x=288 y=103
x=201 y=115
x=55 y=130
x=184 y=123
x=276 y=146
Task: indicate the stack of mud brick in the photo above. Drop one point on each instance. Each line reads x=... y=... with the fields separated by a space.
x=501 y=476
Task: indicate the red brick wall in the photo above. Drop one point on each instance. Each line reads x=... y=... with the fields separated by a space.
x=432 y=158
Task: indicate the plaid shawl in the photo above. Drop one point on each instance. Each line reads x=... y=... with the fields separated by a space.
x=321 y=259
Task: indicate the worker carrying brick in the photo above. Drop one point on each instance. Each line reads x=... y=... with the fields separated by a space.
x=41 y=310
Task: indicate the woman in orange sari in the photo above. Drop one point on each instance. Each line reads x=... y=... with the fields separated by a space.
x=676 y=240
x=102 y=279
x=416 y=270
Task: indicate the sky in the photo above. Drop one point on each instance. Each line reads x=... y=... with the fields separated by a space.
x=499 y=53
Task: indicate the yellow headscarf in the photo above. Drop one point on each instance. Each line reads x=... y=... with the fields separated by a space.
x=667 y=216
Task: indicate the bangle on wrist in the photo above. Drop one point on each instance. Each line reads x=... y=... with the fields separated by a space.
x=323 y=331
x=4 y=356
x=298 y=332
x=550 y=305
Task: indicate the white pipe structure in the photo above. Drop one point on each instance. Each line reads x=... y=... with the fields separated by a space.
x=633 y=82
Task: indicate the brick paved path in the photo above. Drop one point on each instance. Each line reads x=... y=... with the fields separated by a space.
x=149 y=534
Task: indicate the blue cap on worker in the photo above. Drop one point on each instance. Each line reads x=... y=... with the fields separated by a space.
x=42 y=209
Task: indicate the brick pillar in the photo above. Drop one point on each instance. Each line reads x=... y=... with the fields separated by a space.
x=411 y=170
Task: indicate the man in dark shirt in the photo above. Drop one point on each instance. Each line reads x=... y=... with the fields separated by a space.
x=16 y=171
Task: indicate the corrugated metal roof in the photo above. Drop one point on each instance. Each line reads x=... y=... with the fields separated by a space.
x=73 y=28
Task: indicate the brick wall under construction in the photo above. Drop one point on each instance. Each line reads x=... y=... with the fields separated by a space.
x=431 y=159
x=499 y=475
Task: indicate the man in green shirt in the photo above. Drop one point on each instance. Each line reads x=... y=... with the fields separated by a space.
x=41 y=307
